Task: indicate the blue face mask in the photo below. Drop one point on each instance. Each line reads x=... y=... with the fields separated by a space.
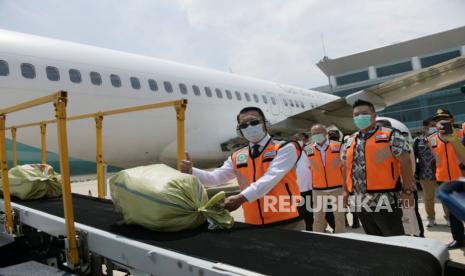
x=362 y=121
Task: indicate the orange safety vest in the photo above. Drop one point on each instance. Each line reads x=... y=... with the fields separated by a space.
x=381 y=167
x=447 y=163
x=325 y=176
x=284 y=194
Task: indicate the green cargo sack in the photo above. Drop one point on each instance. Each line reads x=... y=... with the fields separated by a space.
x=33 y=181
x=163 y=199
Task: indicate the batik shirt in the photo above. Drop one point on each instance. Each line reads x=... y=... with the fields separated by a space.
x=399 y=145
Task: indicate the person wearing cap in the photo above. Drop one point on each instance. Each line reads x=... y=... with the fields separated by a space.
x=266 y=173
x=426 y=169
x=446 y=147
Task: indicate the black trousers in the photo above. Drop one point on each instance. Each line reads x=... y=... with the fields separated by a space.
x=456 y=228
x=304 y=211
x=382 y=223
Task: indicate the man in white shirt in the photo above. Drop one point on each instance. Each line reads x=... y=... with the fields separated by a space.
x=304 y=180
x=265 y=171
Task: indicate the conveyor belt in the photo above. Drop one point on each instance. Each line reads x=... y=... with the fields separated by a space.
x=264 y=250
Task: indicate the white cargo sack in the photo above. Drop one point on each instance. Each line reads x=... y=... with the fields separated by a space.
x=163 y=199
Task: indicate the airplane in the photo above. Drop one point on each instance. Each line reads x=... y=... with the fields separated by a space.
x=98 y=79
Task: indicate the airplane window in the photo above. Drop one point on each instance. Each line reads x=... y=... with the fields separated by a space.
x=229 y=94
x=95 y=78
x=168 y=86
x=115 y=80
x=292 y=104
x=135 y=83
x=285 y=102
x=273 y=100
x=238 y=95
x=196 y=90
x=4 y=71
x=28 y=71
x=52 y=73
x=183 y=88
x=218 y=93
x=153 y=85
x=265 y=100
x=208 y=91
x=255 y=97
x=296 y=103
x=247 y=96
x=75 y=76
x=302 y=104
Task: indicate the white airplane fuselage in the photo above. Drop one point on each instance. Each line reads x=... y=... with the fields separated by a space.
x=140 y=137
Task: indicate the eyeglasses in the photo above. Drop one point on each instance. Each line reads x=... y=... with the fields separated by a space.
x=249 y=123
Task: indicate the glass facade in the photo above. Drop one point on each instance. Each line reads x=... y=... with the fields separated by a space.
x=351 y=78
x=435 y=59
x=394 y=69
x=414 y=111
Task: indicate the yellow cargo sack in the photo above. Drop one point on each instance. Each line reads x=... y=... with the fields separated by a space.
x=160 y=198
x=33 y=181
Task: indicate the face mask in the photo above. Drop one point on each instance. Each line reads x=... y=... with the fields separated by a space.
x=362 y=121
x=432 y=130
x=318 y=138
x=254 y=133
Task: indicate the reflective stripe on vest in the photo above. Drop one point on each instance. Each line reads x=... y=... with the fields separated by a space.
x=327 y=176
x=286 y=192
x=447 y=163
x=381 y=167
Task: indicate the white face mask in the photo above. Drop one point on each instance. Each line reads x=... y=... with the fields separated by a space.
x=432 y=130
x=254 y=133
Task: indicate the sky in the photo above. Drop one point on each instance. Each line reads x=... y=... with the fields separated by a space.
x=274 y=40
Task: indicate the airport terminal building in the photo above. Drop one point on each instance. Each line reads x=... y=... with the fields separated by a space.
x=355 y=72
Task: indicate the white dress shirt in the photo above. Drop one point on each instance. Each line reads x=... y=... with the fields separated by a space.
x=322 y=150
x=284 y=161
x=304 y=174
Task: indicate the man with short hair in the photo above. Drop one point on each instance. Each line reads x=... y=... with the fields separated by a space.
x=426 y=169
x=327 y=180
x=375 y=159
x=266 y=173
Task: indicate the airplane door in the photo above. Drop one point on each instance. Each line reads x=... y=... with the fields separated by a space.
x=273 y=103
x=285 y=105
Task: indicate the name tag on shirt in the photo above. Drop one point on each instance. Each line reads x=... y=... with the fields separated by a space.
x=269 y=155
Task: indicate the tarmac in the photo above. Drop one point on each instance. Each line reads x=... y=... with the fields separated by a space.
x=87 y=185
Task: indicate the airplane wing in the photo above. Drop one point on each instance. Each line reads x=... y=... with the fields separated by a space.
x=339 y=112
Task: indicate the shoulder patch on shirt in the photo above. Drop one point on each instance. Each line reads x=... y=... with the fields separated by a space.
x=242 y=158
x=349 y=142
x=309 y=150
x=434 y=142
